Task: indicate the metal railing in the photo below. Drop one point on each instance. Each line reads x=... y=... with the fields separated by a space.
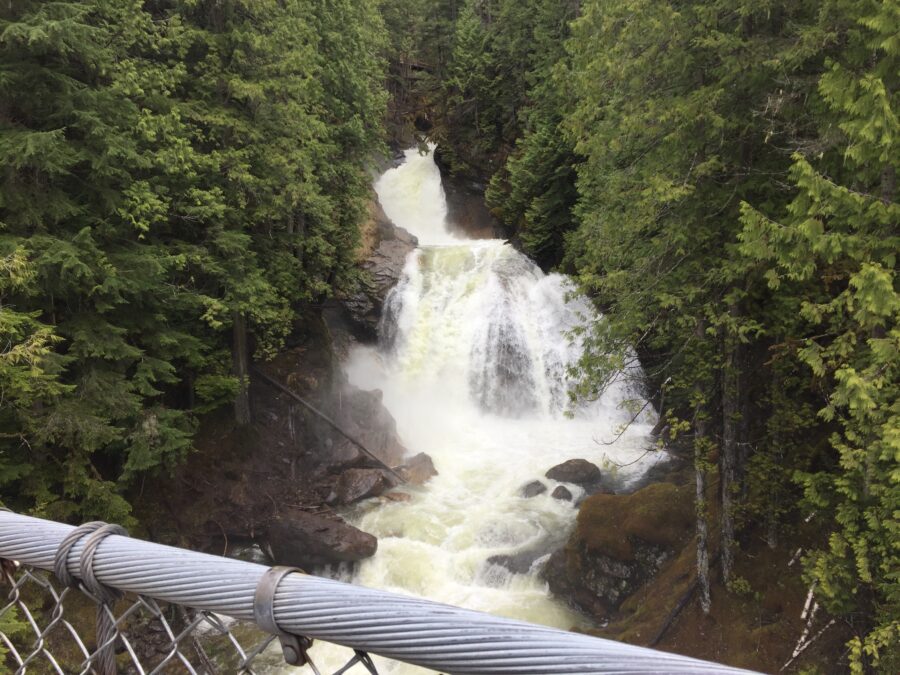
x=161 y=609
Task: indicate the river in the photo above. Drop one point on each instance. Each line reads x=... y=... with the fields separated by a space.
x=473 y=364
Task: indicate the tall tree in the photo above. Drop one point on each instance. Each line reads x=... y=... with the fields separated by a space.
x=833 y=251
x=177 y=178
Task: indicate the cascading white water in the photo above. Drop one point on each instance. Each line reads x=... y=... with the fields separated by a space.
x=473 y=365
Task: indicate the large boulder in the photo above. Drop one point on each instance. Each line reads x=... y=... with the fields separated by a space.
x=304 y=540
x=357 y=484
x=418 y=470
x=620 y=542
x=363 y=417
x=578 y=472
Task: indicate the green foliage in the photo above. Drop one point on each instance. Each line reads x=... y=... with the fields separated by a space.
x=534 y=193
x=834 y=249
x=12 y=627
x=721 y=177
x=682 y=134
x=167 y=167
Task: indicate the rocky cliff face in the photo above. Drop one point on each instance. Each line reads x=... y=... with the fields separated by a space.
x=382 y=257
x=273 y=482
x=467 y=213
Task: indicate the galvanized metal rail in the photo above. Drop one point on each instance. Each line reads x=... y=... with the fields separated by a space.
x=436 y=636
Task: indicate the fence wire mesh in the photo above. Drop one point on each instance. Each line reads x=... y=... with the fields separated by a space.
x=48 y=628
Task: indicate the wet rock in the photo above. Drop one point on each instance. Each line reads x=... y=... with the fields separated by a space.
x=533 y=489
x=418 y=469
x=398 y=496
x=578 y=472
x=383 y=267
x=517 y=563
x=525 y=562
x=619 y=543
x=466 y=210
x=363 y=416
x=357 y=484
x=562 y=492
x=307 y=541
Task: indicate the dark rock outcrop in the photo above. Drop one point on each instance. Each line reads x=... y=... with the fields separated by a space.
x=361 y=414
x=357 y=484
x=383 y=267
x=619 y=543
x=240 y=478
x=533 y=489
x=562 y=492
x=307 y=541
x=466 y=210
x=578 y=472
x=417 y=470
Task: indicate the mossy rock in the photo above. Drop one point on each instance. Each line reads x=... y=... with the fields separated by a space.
x=619 y=544
x=661 y=514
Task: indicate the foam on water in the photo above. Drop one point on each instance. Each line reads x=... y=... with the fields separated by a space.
x=473 y=365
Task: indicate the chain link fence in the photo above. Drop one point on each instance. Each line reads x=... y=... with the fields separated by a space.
x=49 y=628
x=90 y=599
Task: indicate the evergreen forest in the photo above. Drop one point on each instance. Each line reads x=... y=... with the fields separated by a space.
x=181 y=181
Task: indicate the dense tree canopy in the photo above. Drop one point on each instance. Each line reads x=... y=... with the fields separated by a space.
x=176 y=177
x=720 y=176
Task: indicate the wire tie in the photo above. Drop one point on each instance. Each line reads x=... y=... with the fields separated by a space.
x=293 y=647
x=95 y=532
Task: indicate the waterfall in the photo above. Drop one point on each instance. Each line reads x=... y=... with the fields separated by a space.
x=476 y=345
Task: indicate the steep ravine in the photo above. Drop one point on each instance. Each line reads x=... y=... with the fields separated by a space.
x=491 y=531
x=472 y=364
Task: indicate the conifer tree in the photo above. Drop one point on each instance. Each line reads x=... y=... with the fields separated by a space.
x=834 y=253
x=178 y=178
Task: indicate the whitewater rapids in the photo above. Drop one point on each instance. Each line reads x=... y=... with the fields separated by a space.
x=473 y=364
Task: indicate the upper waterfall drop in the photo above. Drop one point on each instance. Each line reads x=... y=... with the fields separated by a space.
x=412 y=196
x=477 y=316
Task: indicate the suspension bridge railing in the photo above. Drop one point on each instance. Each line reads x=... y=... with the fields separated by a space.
x=93 y=600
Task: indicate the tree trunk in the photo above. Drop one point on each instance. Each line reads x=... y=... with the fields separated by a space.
x=728 y=457
x=700 y=461
x=241 y=364
x=296 y=229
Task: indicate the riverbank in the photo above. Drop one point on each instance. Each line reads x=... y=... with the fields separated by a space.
x=250 y=490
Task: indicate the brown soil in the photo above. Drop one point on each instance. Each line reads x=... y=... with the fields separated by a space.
x=237 y=479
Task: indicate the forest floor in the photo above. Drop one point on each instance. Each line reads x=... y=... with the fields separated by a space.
x=757 y=623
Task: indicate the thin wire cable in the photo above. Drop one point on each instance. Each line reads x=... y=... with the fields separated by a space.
x=440 y=637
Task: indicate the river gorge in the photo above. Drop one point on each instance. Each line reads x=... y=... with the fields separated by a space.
x=473 y=358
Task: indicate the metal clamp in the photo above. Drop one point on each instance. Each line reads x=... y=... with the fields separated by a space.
x=293 y=647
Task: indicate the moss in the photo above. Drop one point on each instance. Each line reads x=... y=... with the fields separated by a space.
x=368 y=231
x=661 y=514
x=756 y=629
